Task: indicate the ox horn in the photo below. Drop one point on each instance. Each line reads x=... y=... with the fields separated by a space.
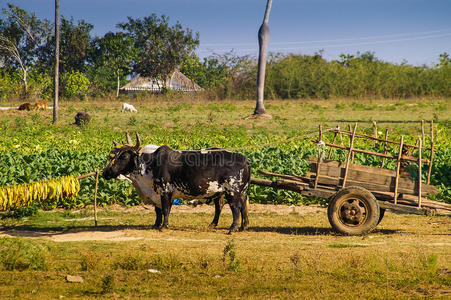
x=129 y=140
x=138 y=141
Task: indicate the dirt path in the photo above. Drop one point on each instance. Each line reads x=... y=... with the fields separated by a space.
x=75 y=235
x=122 y=232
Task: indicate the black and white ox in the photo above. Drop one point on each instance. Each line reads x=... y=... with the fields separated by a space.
x=162 y=175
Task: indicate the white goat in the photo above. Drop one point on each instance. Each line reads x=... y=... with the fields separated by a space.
x=128 y=107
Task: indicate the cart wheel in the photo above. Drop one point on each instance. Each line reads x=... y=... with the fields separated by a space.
x=381 y=215
x=353 y=211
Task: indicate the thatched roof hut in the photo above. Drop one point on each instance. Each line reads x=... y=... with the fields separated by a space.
x=178 y=82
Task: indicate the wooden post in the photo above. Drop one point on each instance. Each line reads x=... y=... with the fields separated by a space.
x=351 y=145
x=385 y=147
x=333 y=141
x=320 y=137
x=95 y=197
x=57 y=60
x=431 y=158
x=350 y=130
x=398 y=166
x=375 y=132
x=419 y=172
x=422 y=132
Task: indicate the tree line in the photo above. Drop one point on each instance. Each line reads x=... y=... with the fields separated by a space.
x=89 y=65
x=151 y=46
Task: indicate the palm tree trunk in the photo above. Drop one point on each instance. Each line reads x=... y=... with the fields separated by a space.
x=263 y=40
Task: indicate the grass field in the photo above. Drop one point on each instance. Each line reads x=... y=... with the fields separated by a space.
x=289 y=251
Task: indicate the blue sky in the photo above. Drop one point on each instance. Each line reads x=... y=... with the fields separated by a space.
x=413 y=30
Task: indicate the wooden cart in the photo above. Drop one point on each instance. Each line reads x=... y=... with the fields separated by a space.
x=359 y=195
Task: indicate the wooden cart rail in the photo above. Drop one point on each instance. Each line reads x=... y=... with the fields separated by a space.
x=400 y=157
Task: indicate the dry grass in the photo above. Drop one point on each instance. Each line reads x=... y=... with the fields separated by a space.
x=283 y=255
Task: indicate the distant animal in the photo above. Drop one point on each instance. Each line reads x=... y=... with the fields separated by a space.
x=128 y=107
x=165 y=174
x=40 y=105
x=25 y=106
x=82 y=118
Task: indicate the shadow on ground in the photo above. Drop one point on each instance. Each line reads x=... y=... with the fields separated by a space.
x=32 y=231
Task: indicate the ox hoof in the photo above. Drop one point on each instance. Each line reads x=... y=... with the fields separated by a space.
x=212 y=226
x=232 y=230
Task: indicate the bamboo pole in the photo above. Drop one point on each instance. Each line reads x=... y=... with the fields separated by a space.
x=419 y=172
x=95 y=197
x=431 y=158
x=385 y=147
x=398 y=166
x=351 y=145
x=96 y=174
x=319 y=156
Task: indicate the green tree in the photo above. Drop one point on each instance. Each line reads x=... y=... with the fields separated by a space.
x=21 y=35
x=209 y=74
x=75 y=42
x=444 y=60
x=161 y=48
x=115 y=51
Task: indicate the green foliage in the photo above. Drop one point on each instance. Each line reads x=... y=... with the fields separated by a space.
x=361 y=75
x=75 y=84
x=210 y=74
x=107 y=284
x=75 y=45
x=22 y=212
x=21 y=36
x=229 y=257
x=22 y=254
x=115 y=53
x=19 y=166
x=9 y=84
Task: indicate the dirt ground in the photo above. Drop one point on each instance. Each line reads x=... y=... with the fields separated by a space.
x=74 y=235
x=130 y=234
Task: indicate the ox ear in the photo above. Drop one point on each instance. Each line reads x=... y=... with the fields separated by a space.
x=138 y=141
x=129 y=140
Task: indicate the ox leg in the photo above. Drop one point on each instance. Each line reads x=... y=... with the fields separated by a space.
x=219 y=203
x=159 y=218
x=166 y=204
x=244 y=214
x=235 y=206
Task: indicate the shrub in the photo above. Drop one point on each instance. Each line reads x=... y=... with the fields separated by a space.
x=75 y=84
x=21 y=254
